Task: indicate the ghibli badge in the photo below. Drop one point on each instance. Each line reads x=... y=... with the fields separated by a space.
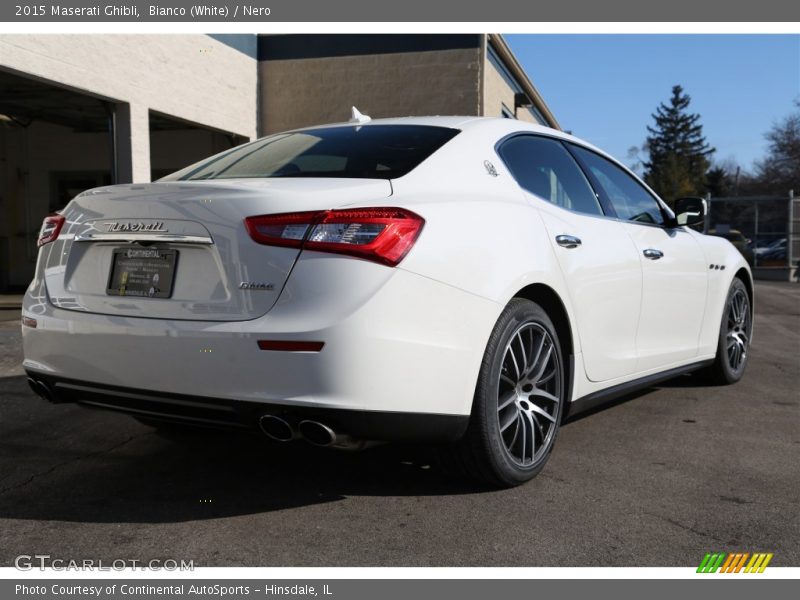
x=255 y=285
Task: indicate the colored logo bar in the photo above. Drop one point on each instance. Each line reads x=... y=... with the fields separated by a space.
x=734 y=562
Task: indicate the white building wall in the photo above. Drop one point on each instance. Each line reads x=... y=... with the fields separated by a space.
x=191 y=77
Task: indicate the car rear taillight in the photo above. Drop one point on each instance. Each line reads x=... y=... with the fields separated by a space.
x=383 y=235
x=51 y=227
x=287 y=229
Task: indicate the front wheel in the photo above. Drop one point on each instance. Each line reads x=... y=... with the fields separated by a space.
x=518 y=400
x=733 y=346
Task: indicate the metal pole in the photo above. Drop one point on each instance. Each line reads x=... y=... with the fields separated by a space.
x=790 y=236
x=736 y=181
x=755 y=234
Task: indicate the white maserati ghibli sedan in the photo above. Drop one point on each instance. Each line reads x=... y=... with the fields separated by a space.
x=461 y=281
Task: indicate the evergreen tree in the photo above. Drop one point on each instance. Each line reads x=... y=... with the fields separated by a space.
x=719 y=182
x=679 y=153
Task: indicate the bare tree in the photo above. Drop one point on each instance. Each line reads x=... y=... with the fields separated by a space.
x=779 y=171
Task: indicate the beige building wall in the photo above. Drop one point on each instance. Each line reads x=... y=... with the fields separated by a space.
x=309 y=91
x=498 y=93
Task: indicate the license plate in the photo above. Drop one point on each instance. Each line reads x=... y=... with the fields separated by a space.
x=142 y=272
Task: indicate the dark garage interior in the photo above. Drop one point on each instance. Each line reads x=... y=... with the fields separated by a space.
x=55 y=143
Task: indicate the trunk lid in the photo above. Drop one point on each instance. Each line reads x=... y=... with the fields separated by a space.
x=195 y=226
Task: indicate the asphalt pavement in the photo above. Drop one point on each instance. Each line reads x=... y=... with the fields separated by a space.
x=656 y=479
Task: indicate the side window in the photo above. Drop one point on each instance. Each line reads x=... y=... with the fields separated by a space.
x=545 y=168
x=631 y=201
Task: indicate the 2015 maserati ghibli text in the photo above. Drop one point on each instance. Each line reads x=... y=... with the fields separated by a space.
x=454 y=280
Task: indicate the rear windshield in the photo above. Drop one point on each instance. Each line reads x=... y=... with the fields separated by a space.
x=363 y=152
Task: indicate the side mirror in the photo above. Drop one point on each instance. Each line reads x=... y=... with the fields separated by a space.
x=692 y=212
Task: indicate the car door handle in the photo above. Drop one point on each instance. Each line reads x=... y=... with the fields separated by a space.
x=568 y=241
x=653 y=254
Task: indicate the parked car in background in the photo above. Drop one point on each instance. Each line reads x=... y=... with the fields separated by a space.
x=739 y=241
x=774 y=251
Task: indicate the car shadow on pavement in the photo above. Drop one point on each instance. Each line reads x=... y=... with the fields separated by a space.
x=67 y=463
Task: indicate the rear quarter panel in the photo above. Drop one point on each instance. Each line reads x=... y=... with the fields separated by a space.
x=480 y=235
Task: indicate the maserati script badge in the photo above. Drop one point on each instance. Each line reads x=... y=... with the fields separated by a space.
x=116 y=226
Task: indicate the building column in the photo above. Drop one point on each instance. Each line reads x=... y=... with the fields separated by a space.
x=132 y=143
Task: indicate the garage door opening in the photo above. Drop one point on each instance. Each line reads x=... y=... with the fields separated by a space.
x=54 y=143
x=175 y=144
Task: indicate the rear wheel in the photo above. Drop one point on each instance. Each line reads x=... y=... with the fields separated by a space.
x=733 y=346
x=518 y=400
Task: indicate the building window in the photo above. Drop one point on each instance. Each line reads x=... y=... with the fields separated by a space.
x=513 y=84
x=506 y=112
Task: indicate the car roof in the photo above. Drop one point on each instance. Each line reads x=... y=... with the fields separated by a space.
x=454 y=121
x=499 y=126
x=462 y=122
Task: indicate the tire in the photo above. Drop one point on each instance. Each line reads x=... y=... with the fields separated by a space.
x=733 y=345
x=519 y=399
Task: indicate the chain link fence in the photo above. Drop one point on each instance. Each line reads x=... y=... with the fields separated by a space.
x=764 y=229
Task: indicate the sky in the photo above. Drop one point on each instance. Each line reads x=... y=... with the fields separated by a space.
x=604 y=88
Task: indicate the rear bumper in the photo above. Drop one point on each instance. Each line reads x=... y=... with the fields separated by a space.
x=406 y=344
x=233 y=414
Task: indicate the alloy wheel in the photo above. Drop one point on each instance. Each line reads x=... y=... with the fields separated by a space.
x=738 y=335
x=529 y=394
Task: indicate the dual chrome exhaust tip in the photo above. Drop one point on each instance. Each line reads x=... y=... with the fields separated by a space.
x=316 y=433
x=41 y=389
x=276 y=428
